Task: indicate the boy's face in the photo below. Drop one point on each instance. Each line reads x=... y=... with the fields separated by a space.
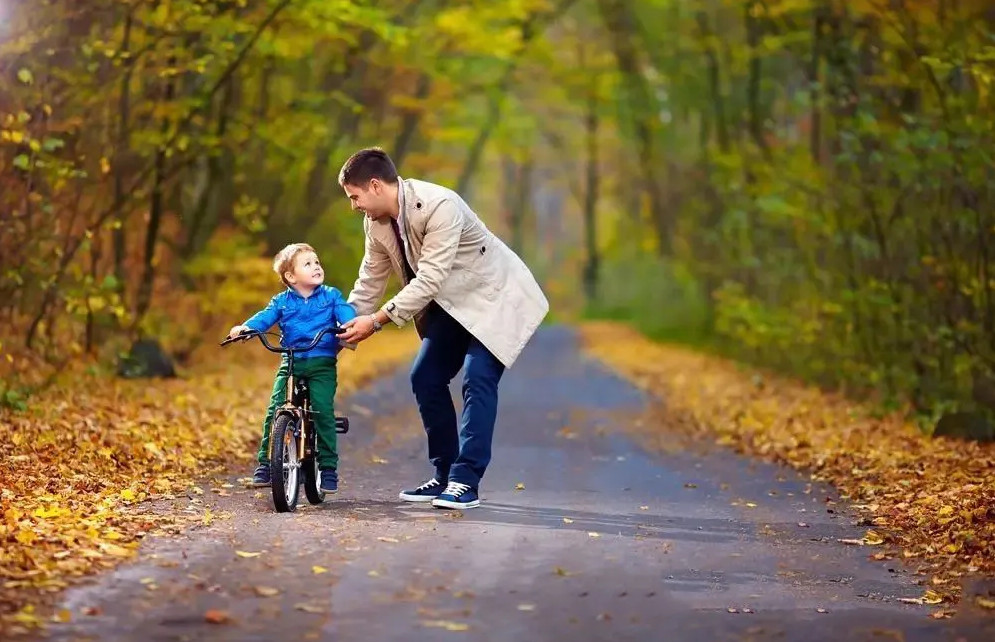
x=372 y=200
x=307 y=271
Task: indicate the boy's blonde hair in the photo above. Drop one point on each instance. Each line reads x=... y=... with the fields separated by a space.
x=283 y=262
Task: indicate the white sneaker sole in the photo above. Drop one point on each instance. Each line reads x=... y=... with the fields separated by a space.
x=445 y=503
x=416 y=498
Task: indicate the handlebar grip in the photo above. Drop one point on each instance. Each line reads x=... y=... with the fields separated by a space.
x=239 y=337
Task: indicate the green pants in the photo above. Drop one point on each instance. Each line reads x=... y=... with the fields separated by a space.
x=322 y=376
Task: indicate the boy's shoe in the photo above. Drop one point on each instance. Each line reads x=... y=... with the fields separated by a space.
x=458 y=496
x=330 y=481
x=424 y=493
x=262 y=477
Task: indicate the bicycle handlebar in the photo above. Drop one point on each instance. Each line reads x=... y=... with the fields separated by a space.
x=245 y=336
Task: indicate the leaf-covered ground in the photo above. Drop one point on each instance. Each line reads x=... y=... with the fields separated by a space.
x=930 y=502
x=76 y=468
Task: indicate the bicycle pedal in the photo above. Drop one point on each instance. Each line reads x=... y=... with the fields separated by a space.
x=342 y=425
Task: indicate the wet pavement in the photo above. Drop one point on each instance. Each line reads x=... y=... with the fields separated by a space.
x=582 y=535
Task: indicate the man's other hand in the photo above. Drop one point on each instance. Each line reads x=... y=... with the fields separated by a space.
x=357 y=329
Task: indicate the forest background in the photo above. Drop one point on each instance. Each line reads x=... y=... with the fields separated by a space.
x=805 y=185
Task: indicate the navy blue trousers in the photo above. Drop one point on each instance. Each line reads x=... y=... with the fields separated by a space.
x=458 y=455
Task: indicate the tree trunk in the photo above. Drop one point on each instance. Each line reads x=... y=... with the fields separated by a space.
x=754 y=32
x=410 y=121
x=815 y=133
x=714 y=83
x=495 y=100
x=591 y=198
x=145 y=287
x=204 y=215
x=121 y=153
x=622 y=26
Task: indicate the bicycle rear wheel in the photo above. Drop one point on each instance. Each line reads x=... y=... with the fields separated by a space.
x=284 y=465
x=312 y=481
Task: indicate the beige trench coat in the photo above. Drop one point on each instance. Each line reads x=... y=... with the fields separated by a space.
x=458 y=263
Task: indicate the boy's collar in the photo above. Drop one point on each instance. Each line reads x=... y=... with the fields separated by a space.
x=297 y=294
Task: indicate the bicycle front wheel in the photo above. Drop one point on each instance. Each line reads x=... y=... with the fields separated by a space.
x=284 y=465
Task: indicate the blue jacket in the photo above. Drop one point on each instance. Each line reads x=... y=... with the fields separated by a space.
x=301 y=319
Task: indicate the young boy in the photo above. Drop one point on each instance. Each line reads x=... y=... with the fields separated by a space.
x=302 y=310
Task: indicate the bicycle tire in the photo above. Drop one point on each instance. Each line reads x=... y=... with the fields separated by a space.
x=284 y=468
x=312 y=481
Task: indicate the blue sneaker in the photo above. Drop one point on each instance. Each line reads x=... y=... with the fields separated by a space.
x=458 y=496
x=261 y=477
x=424 y=493
x=330 y=481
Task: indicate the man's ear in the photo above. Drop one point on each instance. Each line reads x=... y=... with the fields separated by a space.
x=375 y=186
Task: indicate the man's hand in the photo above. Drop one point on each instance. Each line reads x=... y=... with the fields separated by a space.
x=237 y=330
x=357 y=329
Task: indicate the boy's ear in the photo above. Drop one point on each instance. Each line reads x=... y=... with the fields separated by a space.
x=289 y=277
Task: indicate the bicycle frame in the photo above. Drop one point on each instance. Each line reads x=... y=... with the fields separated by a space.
x=297 y=404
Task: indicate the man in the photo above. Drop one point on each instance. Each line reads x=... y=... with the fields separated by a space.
x=474 y=303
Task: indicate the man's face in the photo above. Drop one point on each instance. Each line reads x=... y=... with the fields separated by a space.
x=372 y=199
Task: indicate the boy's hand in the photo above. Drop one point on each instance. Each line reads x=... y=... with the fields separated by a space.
x=237 y=330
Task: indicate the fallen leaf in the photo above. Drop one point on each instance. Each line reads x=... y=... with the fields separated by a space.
x=318 y=570
x=984 y=602
x=390 y=540
x=446 y=624
x=266 y=591
x=872 y=538
x=593 y=534
x=519 y=486
x=561 y=572
x=247 y=554
x=732 y=609
x=931 y=597
x=215 y=616
x=644 y=508
x=309 y=608
x=567 y=520
x=821 y=610
x=526 y=607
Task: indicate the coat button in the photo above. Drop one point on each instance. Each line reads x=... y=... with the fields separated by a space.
x=418 y=205
x=482 y=249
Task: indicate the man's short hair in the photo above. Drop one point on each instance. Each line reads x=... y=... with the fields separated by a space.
x=283 y=262
x=367 y=164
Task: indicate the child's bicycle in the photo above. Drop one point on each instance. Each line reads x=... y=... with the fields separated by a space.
x=293 y=439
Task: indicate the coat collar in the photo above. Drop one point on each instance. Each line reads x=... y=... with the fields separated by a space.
x=407 y=197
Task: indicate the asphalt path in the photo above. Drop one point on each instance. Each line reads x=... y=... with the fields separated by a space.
x=581 y=535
